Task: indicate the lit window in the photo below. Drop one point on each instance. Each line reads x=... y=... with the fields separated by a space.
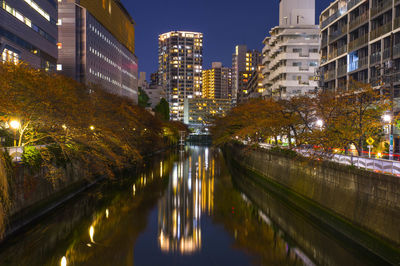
x=59 y=67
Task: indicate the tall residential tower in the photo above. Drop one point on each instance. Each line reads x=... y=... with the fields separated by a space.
x=290 y=54
x=180 y=68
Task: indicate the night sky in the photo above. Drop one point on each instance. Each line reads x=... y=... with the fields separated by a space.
x=225 y=23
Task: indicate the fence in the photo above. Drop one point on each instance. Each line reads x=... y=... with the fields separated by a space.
x=376 y=165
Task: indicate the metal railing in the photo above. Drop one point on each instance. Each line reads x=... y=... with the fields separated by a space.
x=358 y=42
x=337 y=34
x=352 y=3
x=397 y=22
x=381 y=30
x=359 y=20
x=342 y=50
x=382 y=6
x=375 y=58
x=370 y=164
x=333 y=54
x=358 y=64
x=342 y=70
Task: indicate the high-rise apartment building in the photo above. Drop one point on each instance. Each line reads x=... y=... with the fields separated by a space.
x=217 y=82
x=28 y=32
x=358 y=39
x=290 y=54
x=96 y=42
x=255 y=87
x=180 y=68
x=244 y=62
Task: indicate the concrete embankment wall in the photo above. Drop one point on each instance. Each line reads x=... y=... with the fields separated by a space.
x=354 y=198
x=32 y=194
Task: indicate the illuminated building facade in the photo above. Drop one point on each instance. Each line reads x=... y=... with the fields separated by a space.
x=201 y=112
x=244 y=62
x=291 y=52
x=180 y=68
x=28 y=32
x=217 y=82
x=255 y=87
x=97 y=45
x=190 y=194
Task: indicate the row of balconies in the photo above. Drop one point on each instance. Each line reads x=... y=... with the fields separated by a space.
x=293 y=83
x=359 y=20
x=291 y=70
x=382 y=6
x=291 y=56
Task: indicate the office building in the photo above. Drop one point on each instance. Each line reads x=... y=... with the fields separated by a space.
x=217 y=82
x=244 y=62
x=200 y=113
x=290 y=53
x=180 y=68
x=96 y=42
x=358 y=39
x=28 y=32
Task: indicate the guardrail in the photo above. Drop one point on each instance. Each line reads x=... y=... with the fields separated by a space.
x=370 y=164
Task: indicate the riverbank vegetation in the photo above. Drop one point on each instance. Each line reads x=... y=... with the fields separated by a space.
x=61 y=121
x=327 y=120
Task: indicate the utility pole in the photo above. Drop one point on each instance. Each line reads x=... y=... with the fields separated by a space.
x=390 y=67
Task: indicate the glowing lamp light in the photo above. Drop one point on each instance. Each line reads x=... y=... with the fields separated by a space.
x=387 y=118
x=320 y=123
x=91 y=128
x=15 y=124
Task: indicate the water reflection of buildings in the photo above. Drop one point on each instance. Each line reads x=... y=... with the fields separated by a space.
x=190 y=194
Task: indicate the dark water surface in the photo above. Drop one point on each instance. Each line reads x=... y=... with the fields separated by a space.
x=184 y=209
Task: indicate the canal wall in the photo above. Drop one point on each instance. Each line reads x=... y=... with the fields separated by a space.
x=31 y=194
x=363 y=206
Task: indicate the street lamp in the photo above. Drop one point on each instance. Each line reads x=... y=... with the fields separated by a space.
x=15 y=125
x=387 y=118
x=320 y=123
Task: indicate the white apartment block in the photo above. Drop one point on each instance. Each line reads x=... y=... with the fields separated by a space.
x=290 y=54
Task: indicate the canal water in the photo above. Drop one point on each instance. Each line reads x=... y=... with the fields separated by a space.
x=185 y=208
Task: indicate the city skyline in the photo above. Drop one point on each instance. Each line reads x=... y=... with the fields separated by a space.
x=221 y=33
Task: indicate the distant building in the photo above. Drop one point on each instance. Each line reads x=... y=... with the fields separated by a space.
x=97 y=45
x=255 y=87
x=155 y=93
x=28 y=32
x=290 y=54
x=154 y=79
x=217 y=82
x=142 y=83
x=180 y=68
x=200 y=113
x=244 y=62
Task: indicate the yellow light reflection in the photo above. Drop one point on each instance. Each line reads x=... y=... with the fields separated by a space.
x=91 y=234
x=63 y=261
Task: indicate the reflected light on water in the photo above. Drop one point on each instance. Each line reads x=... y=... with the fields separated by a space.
x=187 y=197
x=63 y=261
x=91 y=234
